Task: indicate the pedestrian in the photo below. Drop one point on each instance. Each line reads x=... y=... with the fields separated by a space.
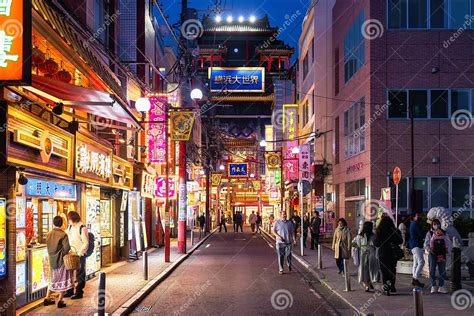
x=234 y=220
x=438 y=245
x=60 y=279
x=253 y=221
x=388 y=240
x=285 y=237
x=315 y=227
x=79 y=240
x=341 y=244
x=222 y=223
x=259 y=222
x=368 y=266
x=296 y=224
x=240 y=222
x=415 y=244
x=305 y=229
x=202 y=222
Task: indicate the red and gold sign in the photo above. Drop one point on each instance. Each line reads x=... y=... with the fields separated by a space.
x=15 y=41
x=122 y=171
x=216 y=179
x=181 y=125
x=273 y=161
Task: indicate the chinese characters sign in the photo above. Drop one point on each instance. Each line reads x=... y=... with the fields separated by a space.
x=15 y=41
x=304 y=166
x=291 y=169
x=238 y=169
x=273 y=161
x=181 y=125
x=161 y=187
x=239 y=79
x=42 y=188
x=90 y=161
x=290 y=121
x=157 y=131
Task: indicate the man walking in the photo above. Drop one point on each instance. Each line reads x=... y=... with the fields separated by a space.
x=259 y=222
x=253 y=221
x=79 y=240
x=416 y=245
x=239 y=220
x=222 y=223
x=202 y=222
x=314 y=229
x=285 y=236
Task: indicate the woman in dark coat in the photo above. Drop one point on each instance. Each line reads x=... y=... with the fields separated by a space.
x=387 y=237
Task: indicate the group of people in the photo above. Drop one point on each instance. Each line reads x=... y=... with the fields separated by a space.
x=378 y=250
x=238 y=220
x=59 y=243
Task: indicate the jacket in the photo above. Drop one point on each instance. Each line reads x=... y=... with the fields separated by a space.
x=386 y=241
x=417 y=236
x=446 y=239
x=341 y=243
x=57 y=243
x=78 y=238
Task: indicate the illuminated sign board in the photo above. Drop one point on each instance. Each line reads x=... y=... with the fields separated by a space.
x=43 y=188
x=15 y=41
x=239 y=79
x=290 y=121
x=94 y=162
x=157 y=130
x=161 y=187
x=238 y=169
x=3 y=238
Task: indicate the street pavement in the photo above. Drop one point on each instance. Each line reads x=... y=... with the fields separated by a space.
x=124 y=279
x=235 y=274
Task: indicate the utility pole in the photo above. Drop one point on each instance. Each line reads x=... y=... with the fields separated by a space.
x=208 y=174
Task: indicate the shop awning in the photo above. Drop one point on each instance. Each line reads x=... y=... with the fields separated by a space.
x=88 y=100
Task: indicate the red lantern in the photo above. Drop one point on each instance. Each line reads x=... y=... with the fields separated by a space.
x=64 y=76
x=37 y=56
x=49 y=67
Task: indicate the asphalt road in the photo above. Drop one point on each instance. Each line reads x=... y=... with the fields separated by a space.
x=237 y=274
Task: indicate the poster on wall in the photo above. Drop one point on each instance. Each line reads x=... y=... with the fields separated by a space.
x=20 y=245
x=145 y=237
x=39 y=269
x=20 y=212
x=136 y=228
x=3 y=238
x=20 y=278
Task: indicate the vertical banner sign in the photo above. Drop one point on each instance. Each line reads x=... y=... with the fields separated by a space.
x=181 y=125
x=15 y=42
x=3 y=238
x=161 y=187
x=157 y=129
x=290 y=121
x=304 y=162
x=269 y=137
x=291 y=169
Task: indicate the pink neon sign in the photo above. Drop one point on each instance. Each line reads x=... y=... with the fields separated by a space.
x=157 y=131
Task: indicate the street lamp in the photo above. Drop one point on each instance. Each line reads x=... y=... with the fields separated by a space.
x=252 y=19
x=229 y=19
x=222 y=167
x=196 y=94
x=143 y=105
x=295 y=150
x=263 y=143
x=252 y=175
x=218 y=19
x=241 y=19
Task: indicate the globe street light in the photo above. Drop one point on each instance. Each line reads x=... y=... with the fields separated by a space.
x=252 y=19
x=196 y=94
x=218 y=19
x=143 y=105
x=221 y=167
x=295 y=150
x=263 y=143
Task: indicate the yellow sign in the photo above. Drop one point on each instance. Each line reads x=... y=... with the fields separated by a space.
x=39 y=269
x=273 y=161
x=181 y=125
x=216 y=179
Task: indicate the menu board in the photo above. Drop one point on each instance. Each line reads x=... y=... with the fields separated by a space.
x=20 y=212
x=93 y=226
x=20 y=278
x=39 y=269
x=20 y=245
x=122 y=229
x=3 y=238
x=105 y=221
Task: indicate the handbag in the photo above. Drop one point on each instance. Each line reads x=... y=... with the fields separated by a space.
x=397 y=252
x=72 y=261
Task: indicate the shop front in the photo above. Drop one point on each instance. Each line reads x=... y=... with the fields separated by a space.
x=149 y=212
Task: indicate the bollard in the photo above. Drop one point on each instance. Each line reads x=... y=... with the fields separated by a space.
x=456 y=269
x=192 y=237
x=346 y=277
x=320 y=257
x=101 y=296
x=145 y=265
x=418 y=300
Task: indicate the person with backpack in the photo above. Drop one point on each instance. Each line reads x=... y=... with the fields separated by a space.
x=314 y=228
x=438 y=245
x=79 y=240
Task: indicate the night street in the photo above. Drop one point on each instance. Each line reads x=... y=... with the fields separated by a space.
x=235 y=274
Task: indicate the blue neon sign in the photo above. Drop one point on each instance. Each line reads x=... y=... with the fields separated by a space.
x=43 y=188
x=238 y=169
x=239 y=79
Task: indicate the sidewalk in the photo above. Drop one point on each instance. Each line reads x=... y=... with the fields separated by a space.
x=400 y=303
x=123 y=281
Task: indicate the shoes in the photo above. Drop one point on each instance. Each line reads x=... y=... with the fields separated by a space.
x=434 y=289
x=76 y=297
x=47 y=302
x=371 y=286
x=61 y=304
x=393 y=289
x=442 y=290
x=68 y=294
x=367 y=289
x=289 y=268
x=417 y=283
x=280 y=272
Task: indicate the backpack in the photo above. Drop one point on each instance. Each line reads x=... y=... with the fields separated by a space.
x=439 y=247
x=91 y=238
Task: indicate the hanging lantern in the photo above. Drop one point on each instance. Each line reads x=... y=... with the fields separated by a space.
x=64 y=75
x=37 y=56
x=49 y=67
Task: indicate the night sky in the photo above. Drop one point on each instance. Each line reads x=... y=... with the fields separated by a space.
x=275 y=9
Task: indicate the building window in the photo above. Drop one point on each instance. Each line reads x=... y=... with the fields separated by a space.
x=305 y=66
x=460 y=195
x=443 y=103
x=336 y=141
x=312 y=51
x=354 y=48
x=421 y=183
x=440 y=192
x=305 y=113
x=451 y=14
x=402 y=193
x=354 y=129
x=336 y=71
